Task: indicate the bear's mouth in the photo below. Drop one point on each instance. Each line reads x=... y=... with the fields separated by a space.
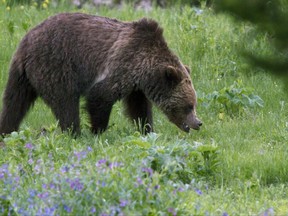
x=185 y=127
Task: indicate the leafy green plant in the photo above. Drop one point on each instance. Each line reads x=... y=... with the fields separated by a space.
x=205 y=160
x=183 y=161
x=234 y=99
x=18 y=138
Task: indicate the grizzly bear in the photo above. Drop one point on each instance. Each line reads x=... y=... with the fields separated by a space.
x=73 y=55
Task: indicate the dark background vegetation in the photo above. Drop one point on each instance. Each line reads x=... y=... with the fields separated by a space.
x=271 y=18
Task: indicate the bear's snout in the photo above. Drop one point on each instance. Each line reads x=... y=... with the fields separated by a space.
x=191 y=123
x=198 y=124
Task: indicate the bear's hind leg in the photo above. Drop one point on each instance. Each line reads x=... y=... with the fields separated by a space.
x=139 y=109
x=18 y=97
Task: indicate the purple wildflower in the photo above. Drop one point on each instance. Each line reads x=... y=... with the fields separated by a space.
x=114 y=165
x=269 y=212
x=43 y=195
x=100 y=162
x=103 y=184
x=89 y=149
x=115 y=210
x=37 y=169
x=52 y=186
x=30 y=200
x=172 y=211
x=199 y=192
x=16 y=179
x=93 y=210
x=2 y=175
x=29 y=146
x=139 y=181
x=21 y=211
x=49 y=211
x=67 y=208
x=123 y=203
x=76 y=185
x=225 y=214
x=156 y=187
x=30 y=161
x=148 y=189
x=147 y=170
x=14 y=182
x=32 y=192
x=3 y=170
x=80 y=155
x=65 y=169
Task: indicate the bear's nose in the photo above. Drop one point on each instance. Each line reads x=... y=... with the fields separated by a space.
x=199 y=123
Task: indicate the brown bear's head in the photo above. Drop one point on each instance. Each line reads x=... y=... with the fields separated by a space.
x=176 y=97
x=166 y=81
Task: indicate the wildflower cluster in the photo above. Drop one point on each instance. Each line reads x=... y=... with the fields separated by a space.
x=42 y=185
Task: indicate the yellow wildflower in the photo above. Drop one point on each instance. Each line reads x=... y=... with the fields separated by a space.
x=44 y=5
x=221 y=115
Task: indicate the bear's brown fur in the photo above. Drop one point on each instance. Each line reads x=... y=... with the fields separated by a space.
x=72 y=54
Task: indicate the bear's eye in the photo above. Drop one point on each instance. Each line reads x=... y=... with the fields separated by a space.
x=189 y=108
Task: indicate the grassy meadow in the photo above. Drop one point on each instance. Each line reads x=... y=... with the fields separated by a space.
x=237 y=164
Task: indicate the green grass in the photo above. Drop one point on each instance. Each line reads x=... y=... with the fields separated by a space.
x=236 y=164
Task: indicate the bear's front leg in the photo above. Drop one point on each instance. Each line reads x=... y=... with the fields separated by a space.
x=99 y=111
x=139 y=109
x=66 y=110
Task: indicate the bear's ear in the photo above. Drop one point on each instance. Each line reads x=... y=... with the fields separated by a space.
x=172 y=75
